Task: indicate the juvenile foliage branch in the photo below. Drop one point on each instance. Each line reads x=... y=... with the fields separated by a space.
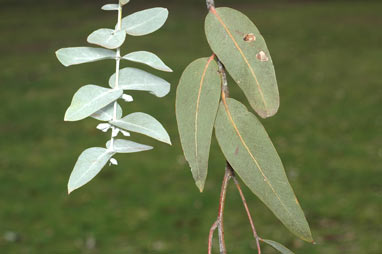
x=102 y=103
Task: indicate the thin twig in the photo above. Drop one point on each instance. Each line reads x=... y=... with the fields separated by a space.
x=229 y=173
x=211 y=235
x=257 y=238
x=223 y=193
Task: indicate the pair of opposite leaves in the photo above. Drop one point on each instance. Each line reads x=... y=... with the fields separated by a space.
x=246 y=145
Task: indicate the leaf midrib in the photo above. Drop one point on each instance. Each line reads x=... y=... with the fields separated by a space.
x=197 y=112
x=254 y=159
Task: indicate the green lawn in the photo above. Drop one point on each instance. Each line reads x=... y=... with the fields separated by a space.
x=328 y=132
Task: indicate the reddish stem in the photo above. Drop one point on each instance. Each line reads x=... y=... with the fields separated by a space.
x=248 y=214
x=219 y=224
x=211 y=235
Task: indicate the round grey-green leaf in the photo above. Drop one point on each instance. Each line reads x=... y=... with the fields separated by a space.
x=89 y=99
x=147 y=58
x=197 y=102
x=107 y=38
x=79 y=55
x=248 y=148
x=107 y=113
x=110 y=7
x=127 y=146
x=139 y=80
x=123 y=2
x=88 y=165
x=239 y=45
x=144 y=124
x=145 y=22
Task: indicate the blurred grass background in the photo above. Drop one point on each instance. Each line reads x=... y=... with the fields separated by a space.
x=327 y=56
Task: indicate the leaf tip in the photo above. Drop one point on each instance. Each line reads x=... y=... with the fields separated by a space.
x=167 y=140
x=200 y=185
x=168 y=69
x=70 y=190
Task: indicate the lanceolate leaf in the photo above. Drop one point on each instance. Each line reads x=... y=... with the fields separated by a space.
x=240 y=46
x=147 y=58
x=278 y=246
x=79 y=55
x=107 y=38
x=88 y=165
x=127 y=146
x=88 y=100
x=110 y=7
x=145 y=22
x=144 y=124
x=135 y=79
x=197 y=101
x=106 y=113
x=248 y=148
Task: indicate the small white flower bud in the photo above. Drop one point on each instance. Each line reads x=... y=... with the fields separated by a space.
x=127 y=98
x=113 y=161
x=103 y=127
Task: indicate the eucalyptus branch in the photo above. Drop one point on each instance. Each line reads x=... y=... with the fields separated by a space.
x=102 y=103
x=219 y=223
x=203 y=91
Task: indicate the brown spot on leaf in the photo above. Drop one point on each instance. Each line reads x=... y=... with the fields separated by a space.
x=262 y=56
x=237 y=150
x=249 y=37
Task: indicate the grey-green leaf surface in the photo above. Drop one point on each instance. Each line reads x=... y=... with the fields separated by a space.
x=144 y=124
x=107 y=38
x=197 y=102
x=123 y=2
x=127 y=146
x=147 y=58
x=136 y=79
x=80 y=55
x=248 y=148
x=89 y=99
x=110 y=7
x=145 y=22
x=106 y=113
x=278 y=246
x=88 y=165
x=239 y=45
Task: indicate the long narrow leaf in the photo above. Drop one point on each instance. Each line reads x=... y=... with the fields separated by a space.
x=197 y=102
x=248 y=148
x=239 y=45
x=278 y=246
